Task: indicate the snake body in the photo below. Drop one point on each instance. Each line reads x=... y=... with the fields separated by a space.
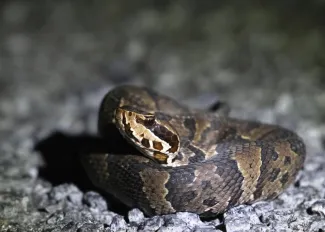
x=189 y=160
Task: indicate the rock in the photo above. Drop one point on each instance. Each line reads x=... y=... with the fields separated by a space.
x=318 y=208
x=89 y=227
x=118 y=224
x=135 y=216
x=152 y=224
x=94 y=200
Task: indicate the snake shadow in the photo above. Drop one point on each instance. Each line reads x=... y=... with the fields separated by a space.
x=61 y=154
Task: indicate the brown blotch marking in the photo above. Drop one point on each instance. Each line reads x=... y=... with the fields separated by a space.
x=255 y=131
x=154 y=188
x=284 y=178
x=189 y=195
x=130 y=113
x=145 y=142
x=287 y=172
x=157 y=145
x=210 y=202
x=273 y=195
x=287 y=160
x=284 y=148
x=139 y=120
x=173 y=143
x=210 y=151
x=160 y=157
x=248 y=157
x=274 y=174
x=190 y=125
x=207 y=135
x=199 y=154
x=201 y=125
x=148 y=121
x=298 y=147
x=206 y=183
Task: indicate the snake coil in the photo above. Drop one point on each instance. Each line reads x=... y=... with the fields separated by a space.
x=190 y=160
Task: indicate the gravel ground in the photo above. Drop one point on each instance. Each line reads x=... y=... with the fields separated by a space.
x=57 y=62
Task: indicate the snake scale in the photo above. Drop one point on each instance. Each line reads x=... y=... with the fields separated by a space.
x=187 y=159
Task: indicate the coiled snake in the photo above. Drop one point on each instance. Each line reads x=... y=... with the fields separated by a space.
x=189 y=160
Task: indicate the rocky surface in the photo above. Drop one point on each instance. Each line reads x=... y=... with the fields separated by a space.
x=56 y=64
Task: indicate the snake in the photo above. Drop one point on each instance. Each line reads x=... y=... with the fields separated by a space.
x=187 y=159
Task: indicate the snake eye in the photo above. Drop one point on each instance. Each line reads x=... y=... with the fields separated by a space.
x=149 y=121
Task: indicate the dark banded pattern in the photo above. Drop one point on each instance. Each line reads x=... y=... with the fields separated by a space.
x=187 y=160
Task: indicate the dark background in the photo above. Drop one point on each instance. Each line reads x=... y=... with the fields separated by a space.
x=245 y=50
x=59 y=58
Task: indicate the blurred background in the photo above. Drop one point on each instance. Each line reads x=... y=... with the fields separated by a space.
x=59 y=58
x=243 y=51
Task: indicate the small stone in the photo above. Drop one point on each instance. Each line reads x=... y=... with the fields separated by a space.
x=236 y=218
x=95 y=200
x=132 y=229
x=90 y=227
x=61 y=192
x=215 y=223
x=317 y=225
x=172 y=220
x=174 y=228
x=192 y=220
x=77 y=215
x=173 y=223
x=318 y=207
x=152 y=224
x=105 y=217
x=70 y=226
x=206 y=229
x=136 y=216
x=53 y=208
x=75 y=197
x=55 y=218
x=118 y=224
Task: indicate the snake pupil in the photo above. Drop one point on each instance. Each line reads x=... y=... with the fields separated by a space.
x=147 y=122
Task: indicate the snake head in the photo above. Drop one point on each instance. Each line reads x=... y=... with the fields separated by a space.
x=149 y=132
